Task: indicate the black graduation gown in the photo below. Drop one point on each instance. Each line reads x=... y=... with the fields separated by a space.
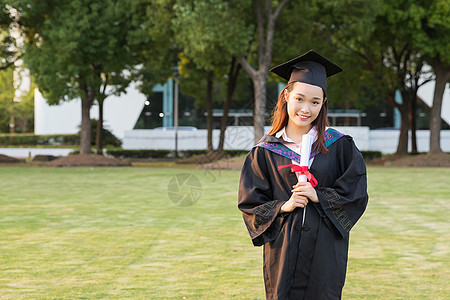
x=309 y=261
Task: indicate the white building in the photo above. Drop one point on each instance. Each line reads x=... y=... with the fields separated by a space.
x=120 y=113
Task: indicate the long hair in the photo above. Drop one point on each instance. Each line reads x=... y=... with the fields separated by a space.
x=280 y=118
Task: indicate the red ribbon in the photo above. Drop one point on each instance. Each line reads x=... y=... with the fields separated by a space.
x=303 y=170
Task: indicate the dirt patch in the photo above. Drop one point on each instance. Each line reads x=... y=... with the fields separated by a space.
x=5 y=159
x=420 y=160
x=214 y=161
x=234 y=163
x=209 y=157
x=79 y=160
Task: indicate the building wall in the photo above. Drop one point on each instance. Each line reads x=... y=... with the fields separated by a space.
x=120 y=113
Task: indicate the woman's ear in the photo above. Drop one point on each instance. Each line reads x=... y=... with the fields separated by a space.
x=286 y=95
x=325 y=100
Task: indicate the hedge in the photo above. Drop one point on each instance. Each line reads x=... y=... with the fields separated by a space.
x=164 y=153
x=31 y=139
x=369 y=155
x=138 y=153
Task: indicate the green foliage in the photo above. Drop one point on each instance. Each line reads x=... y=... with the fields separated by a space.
x=75 y=47
x=88 y=49
x=6 y=98
x=76 y=43
x=10 y=50
x=210 y=32
x=329 y=27
x=31 y=139
x=153 y=42
x=346 y=32
x=433 y=35
x=369 y=155
x=109 y=139
x=138 y=153
x=22 y=110
x=383 y=43
x=165 y=153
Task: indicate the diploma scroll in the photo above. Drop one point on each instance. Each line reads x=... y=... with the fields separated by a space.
x=307 y=141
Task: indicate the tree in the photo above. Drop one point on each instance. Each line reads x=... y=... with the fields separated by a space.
x=381 y=39
x=112 y=84
x=211 y=35
x=442 y=72
x=313 y=31
x=154 y=45
x=83 y=49
x=404 y=26
x=265 y=19
x=19 y=105
x=433 y=41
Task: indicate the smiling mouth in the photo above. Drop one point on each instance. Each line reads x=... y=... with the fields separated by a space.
x=303 y=118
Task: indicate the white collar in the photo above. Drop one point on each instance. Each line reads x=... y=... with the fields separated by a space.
x=282 y=133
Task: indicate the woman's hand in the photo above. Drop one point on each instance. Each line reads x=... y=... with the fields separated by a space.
x=293 y=202
x=306 y=189
x=301 y=194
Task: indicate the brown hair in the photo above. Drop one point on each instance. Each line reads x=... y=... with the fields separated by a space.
x=280 y=118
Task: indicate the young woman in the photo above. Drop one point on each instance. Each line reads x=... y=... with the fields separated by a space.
x=304 y=227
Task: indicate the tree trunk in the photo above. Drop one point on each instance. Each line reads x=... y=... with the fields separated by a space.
x=402 y=147
x=85 y=135
x=265 y=45
x=442 y=77
x=99 y=133
x=231 y=85
x=412 y=120
x=12 y=119
x=101 y=100
x=260 y=105
x=209 y=117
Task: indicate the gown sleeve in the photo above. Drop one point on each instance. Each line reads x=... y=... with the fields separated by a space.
x=256 y=201
x=344 y=202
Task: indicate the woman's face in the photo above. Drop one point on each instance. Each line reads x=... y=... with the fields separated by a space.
x=303 y=104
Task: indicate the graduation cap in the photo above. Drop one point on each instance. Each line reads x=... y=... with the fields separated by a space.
x=311 y=68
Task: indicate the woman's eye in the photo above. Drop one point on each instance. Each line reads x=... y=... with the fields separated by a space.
x=299 y=99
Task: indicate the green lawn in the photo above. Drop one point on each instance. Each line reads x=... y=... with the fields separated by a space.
x=89 y=233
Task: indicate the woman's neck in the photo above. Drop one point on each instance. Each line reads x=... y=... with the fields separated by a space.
x=296 y=133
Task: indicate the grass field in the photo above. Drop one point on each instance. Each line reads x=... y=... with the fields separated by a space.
x=92 y=233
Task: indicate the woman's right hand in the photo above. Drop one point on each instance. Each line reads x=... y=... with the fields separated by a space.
x=293 y=202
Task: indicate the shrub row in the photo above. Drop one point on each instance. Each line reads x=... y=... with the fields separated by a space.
x=138 y=153
x=31 y=139
x=369 y=155
x=164 y=153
